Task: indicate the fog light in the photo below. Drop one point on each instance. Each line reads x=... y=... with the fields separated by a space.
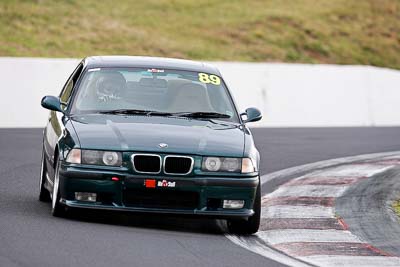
x=233 y=204
x=85 y=196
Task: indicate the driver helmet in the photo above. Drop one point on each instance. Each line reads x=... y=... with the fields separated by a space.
x=109 y=85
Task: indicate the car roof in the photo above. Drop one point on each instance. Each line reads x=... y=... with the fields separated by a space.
x=149 y=62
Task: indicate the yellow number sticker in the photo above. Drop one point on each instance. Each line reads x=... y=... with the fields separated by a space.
x=205 y=78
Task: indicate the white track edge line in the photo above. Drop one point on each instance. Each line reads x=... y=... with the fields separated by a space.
x=323 y=164
x=267 y=252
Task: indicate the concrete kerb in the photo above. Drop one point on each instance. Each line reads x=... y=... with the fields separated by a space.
x=257 y=245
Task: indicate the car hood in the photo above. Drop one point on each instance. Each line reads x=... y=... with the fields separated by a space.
x=145 y=133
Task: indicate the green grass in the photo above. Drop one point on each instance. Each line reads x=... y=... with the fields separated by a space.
x=310 y=31
x=396 y=207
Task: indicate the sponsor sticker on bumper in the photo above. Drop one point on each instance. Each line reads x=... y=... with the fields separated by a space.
x=165 y=183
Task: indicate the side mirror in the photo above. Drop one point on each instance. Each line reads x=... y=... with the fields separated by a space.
x=252 y=114
x=52 y=103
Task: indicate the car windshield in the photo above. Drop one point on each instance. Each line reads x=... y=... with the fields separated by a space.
x=154 y=92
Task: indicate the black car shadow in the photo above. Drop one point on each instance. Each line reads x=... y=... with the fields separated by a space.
x=149 y=221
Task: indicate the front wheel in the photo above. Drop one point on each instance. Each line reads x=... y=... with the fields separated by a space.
x=251 y=225
x=57 y=209
x=44 y=194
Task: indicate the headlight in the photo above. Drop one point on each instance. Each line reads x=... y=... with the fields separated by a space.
x=111 y=158
x=95 y=157
x=217 y=164
x=92 y=157
x=231 y=164
x=212 y=164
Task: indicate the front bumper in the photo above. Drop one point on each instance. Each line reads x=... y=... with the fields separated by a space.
x=208 y=193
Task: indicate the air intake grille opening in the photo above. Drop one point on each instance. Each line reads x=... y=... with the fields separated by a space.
x=178 y=165
x=147 y=163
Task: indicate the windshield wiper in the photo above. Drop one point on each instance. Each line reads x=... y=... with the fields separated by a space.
x=136 y=112
x=160 y=113
x=126 y=111
x=202 y=114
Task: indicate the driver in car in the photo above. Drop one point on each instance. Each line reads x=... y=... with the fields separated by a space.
x=109 y=86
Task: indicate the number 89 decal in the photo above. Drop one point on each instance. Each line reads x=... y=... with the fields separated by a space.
x=213 y=79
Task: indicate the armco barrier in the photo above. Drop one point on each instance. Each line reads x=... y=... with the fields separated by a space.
x=289 y=95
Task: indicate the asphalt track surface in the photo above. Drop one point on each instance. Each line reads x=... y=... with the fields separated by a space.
x=366 y=208
x=30 y=236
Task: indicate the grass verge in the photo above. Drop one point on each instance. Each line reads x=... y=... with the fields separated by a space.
x=307 y=31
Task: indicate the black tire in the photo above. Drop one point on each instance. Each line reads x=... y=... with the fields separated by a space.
x=251 y=225
x=57 y=209
x=44 y=194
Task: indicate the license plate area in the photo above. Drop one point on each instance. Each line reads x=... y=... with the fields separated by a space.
x=160 y=198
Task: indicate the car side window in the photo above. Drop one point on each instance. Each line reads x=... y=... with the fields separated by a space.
x=67 y=91
x=69 y=86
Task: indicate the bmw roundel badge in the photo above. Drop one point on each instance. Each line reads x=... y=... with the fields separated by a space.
x=163 y=145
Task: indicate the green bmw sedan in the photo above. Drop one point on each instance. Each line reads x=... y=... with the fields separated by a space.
x=150 y=135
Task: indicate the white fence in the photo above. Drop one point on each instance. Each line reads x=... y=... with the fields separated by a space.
x=289 y=95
